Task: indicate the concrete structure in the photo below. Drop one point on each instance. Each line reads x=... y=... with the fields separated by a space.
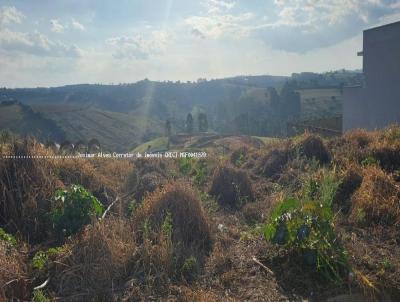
x=376 y=104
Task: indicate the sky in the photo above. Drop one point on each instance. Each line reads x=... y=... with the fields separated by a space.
x=51 y=43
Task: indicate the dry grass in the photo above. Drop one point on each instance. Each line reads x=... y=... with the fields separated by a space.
x=144 y=166
x=352 y=147
x=142 y=259
x=190 y=228
x=96 y=263
x=161 y=254
x=26 y=186
x=377 y=199
x=190 y=294
x=358 y=145
x=274 y=162
x=361 y=138
x=351 y=180
x=256 y=212
x=239 y=155
x=374 y=256
x=13 y=274
x=231 y=187
x=83 y=172
x=386 y=148
x=144 y=184
x=146 y=176
x=312 y=147
x=115 y=170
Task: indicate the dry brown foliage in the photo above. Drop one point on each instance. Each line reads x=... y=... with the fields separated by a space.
x=146 y=177
x=83 y=172
x=273 y=163
x=386 y=148
x=115 y=170
x=231 y=187
x=13 y=274
x=191 y=233
x=27 y=185
x=146 y=165
x=161 y=255
x=255 y=212
x=351 y=180
x=377 y=200
x=237 y=154
x=145 y=184
x=312 y=147
x=96 y=263
x=190 y=294
x=358 y=145
x=361 y=138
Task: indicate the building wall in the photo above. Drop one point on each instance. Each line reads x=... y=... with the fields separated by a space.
x=376 y=104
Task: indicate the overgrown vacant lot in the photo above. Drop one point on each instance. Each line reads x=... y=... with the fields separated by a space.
x=300 y=218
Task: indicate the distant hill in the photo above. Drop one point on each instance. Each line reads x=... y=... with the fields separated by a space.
x=126 y=115
x=19 y=118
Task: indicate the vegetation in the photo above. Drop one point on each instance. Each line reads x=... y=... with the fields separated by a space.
x=73 y=209
x=306 y=217
x=125 y=116
x=189 y=123
x=231 y=187
x=306 y=226
x=8 y=238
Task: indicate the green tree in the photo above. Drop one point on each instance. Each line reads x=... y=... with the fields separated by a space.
x=275 y=99
x=189 y=123
x=290 y=100
x=168 y=128
x=203 y=123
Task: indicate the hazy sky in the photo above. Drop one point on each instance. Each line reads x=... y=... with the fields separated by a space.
x=48 y=43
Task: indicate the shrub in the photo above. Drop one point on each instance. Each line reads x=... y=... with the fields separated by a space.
x=238 y=156
x=231 y=187
x=185 y=165
x=360 y=137
x=8 y=238
x=39 y=261
x=12 y=268
x=27 y=185
x=200 y=175
x=377 y=199
x=148 y=183
x=175 y=212
x=351 y=181
x=84 y=173
x=189 y=268
x=143 y=166
x=146 y=177
x=254 y=212
x=73 y=209
x=96 y=263
x=273 y=163
x=40 y=296
x=370 y=161
x=306 y=227
x=313 y=147
x=387 y=155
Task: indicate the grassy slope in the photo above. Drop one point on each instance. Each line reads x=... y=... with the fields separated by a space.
x=115 y=131
x=318 y=103
x=155 y=144
x=21 y=120
x=121 y=131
